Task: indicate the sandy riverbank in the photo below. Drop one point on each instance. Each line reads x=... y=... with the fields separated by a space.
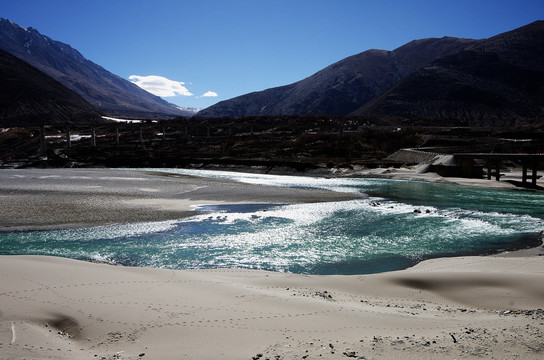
x=53 y=308
x=469 y=307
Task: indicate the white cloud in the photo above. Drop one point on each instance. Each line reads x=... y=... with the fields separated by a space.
x=209 y=94
x=160 y=86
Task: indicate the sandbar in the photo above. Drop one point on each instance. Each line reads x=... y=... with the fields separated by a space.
x=36 y=199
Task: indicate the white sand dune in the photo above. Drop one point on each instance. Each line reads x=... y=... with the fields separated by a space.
x=445 y=308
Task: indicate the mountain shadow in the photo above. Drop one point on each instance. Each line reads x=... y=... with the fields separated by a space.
x=28 y=96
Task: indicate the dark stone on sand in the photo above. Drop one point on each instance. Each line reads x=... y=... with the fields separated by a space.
x=351 y=354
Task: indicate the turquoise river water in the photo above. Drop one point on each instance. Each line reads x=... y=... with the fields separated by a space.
x=380 y=232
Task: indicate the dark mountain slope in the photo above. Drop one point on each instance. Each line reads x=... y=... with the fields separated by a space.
x=110 y=93
x=341 y=87
x=28 y=96
x=496 y=82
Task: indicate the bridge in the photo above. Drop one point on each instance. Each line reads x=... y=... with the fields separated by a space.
x=494 y=161
x=463 y=164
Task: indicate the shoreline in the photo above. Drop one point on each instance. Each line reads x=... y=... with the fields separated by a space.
x=118 y=196
x=58 y=308
x=509 y=179
x=147 y=195
x=59 y=199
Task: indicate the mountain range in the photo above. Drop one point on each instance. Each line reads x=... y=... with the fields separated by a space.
x=111 y=94
x=495 y=81
x=489 y=82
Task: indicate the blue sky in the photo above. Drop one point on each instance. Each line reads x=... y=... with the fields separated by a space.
x=230 y=48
